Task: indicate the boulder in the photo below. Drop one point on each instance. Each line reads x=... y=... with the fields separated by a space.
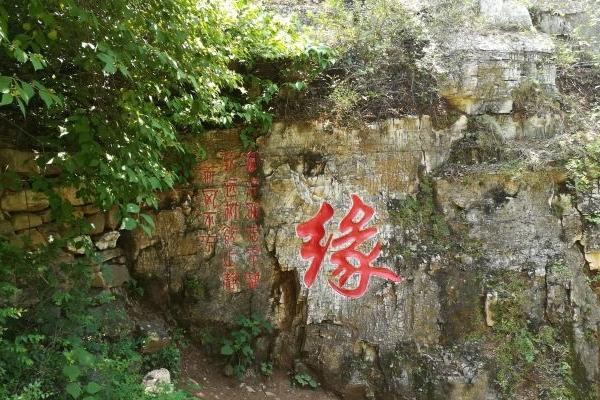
x=157 y=380
x=113 y=218
x=79 y=244
x=108 y=240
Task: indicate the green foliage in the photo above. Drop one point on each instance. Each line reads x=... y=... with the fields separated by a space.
x=523 y=352
x=106 y=91
x=238 y=346
x=58 y=338
x=531 y=98
x=381 y=68
x=420 y=215
x=304 y=380
x=266 y=368
x=168 y=357
x=584 y=170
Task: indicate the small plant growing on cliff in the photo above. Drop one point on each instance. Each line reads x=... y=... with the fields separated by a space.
x=304 y=379
x=238 y=347
x=266 y=368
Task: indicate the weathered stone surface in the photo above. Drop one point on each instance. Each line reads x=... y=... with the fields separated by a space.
x=306 y=166
x=115 y=275
x=26 y=221
x=109 y=254
x=69 y=194
x=490 y=299
x=26 y=200
x=483 y=70
x=22 y=162
x=593 y=258
x=113 y=218
x=157 y=381
x=107 y=240
x=506 y=14
x=90 y=209
x=29 y=238
x=79 y=244
x=6 y=227
x=97 y=221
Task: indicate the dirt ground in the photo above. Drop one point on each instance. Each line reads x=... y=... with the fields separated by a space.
x=214 y=385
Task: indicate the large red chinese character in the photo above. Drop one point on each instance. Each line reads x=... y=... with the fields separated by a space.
x=349 y=260
x=314 y=230
x=251 y=161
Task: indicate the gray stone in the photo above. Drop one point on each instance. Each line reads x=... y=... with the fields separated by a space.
x=157 y=381
x=483 y=70
x=506 y=14
x=107 y=240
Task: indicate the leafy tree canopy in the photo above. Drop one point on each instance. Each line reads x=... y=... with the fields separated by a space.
x=107 y=88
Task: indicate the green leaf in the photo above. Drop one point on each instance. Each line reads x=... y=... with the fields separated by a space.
x=147 y=229
x=128 y=224
x=20 y=55
x=71 y=372
x=109 y=63
x=149 y=220
x=26 y=91
x=93 y=388
x=6 y=99
x=5 y=84
x=133 y=208
x=83 y=356
x=47 y=98
x=21 y=105
x=74 y=389
x=38 y=62
x=227 y=350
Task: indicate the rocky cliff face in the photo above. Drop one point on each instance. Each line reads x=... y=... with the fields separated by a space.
x=488 y=255
x=476 y=219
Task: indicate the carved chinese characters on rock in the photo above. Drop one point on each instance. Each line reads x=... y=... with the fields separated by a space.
x=353 y=268
x=230 y=215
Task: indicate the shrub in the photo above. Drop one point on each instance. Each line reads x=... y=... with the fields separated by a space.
x=238 y=347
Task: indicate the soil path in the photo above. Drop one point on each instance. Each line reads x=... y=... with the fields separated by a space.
x=214 y=385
